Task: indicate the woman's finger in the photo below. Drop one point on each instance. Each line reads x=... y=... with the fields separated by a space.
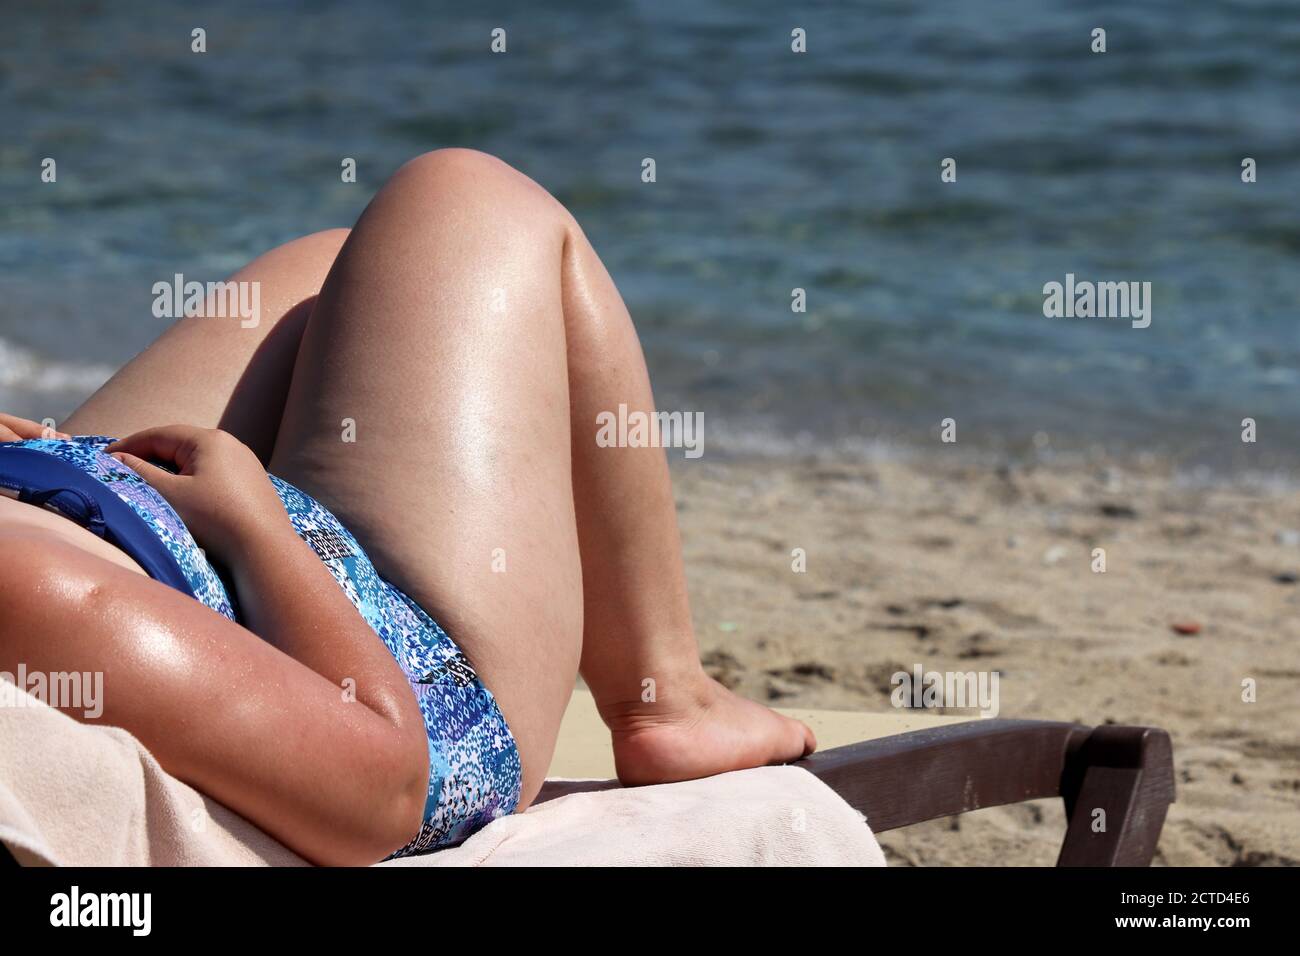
x=174 y=443
x=26 y=428
x=157 y=477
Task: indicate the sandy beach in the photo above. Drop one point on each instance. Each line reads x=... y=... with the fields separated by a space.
x=958 y=565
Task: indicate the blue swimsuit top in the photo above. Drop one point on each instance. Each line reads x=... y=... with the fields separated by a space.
x=108 y=499
x=40 y=478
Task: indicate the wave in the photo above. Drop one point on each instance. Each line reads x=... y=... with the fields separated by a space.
x=24 y=370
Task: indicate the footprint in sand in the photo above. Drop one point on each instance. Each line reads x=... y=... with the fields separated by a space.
x=789 y=681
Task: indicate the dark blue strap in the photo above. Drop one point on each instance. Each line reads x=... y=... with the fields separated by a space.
x=40 y=478
x=82 y=510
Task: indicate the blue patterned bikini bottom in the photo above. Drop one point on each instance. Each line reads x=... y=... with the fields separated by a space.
x=474 y=770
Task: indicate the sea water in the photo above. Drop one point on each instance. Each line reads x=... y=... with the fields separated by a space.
x=775 y=171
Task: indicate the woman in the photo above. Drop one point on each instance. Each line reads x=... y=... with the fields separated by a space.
x=432 y=378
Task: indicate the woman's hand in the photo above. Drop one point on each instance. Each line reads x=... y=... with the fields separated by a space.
x=13 y=428
x=221 y=491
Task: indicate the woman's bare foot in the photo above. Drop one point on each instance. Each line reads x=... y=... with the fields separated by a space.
x=704 y=730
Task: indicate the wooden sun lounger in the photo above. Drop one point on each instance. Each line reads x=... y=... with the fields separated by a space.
x=903 y=767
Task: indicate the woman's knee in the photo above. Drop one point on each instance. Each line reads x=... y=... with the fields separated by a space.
x=455 y=166
x=289 y=276
x=301 y=263
x=479 y=182
x=325 y=243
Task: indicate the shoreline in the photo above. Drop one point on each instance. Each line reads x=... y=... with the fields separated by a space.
x=754 y=446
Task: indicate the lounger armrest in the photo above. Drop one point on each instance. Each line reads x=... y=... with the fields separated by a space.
x=1124 y=772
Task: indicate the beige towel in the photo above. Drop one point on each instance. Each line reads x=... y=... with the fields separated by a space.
x=78 y=794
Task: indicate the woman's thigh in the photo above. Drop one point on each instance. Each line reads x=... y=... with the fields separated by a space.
x=221 y=372
x=429 y=409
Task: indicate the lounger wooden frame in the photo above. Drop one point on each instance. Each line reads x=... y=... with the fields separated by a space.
x=908 y=778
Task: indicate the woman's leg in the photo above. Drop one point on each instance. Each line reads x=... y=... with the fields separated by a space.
x=637 y=618
x=429 y=409
x=215 y=372
x=466 y=331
